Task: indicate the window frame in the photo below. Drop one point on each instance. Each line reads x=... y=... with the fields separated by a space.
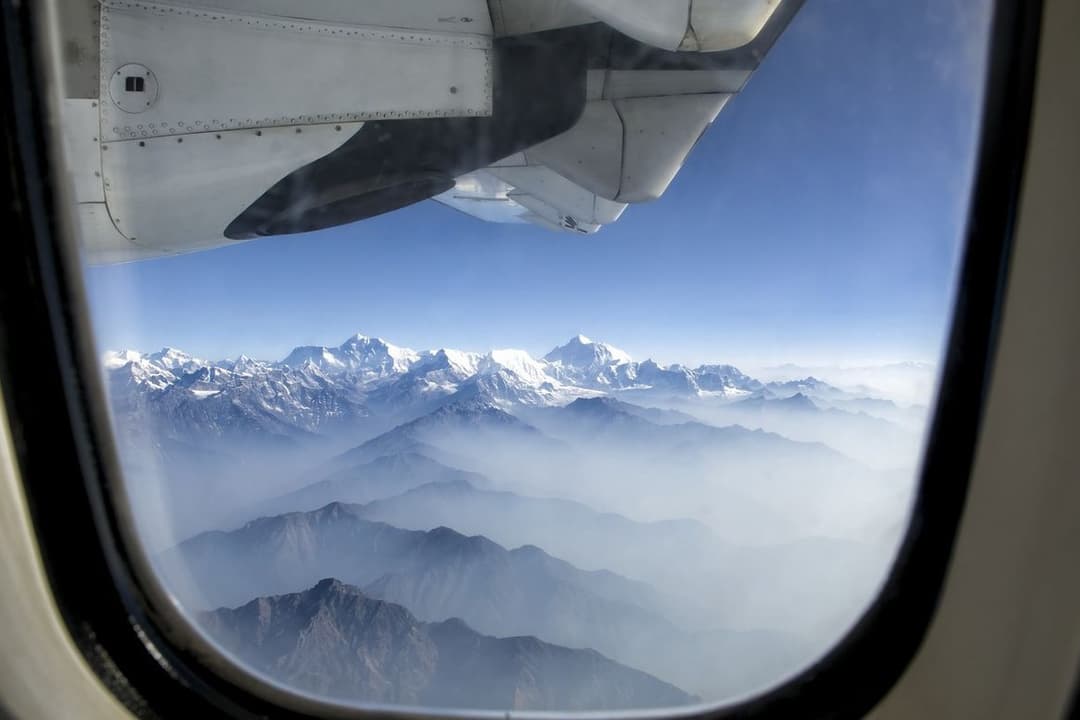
x=129 y=636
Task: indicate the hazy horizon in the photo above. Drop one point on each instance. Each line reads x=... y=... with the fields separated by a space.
x=537 y=350
x=884 y=377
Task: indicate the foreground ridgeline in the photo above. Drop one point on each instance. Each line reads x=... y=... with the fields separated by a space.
x=335 y=641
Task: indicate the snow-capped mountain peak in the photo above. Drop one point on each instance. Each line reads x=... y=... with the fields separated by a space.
x=248 y=366
x=725 y=381
x=174 y=360
x=671 y=378
x=582 y=353
x=462 y=363
x=593 y=364
x=138 y=369
x=519 y=363
x=372 y=358
x=321 y=356
x=365 y=353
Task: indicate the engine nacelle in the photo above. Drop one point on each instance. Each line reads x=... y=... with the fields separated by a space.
x=686 y=25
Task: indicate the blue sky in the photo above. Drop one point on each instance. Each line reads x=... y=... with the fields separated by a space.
x=818 y=221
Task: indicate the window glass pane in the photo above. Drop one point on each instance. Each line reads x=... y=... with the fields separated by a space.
x=522 y=355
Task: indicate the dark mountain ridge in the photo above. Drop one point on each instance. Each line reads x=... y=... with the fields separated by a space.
x=336 y=641
x=437 y=573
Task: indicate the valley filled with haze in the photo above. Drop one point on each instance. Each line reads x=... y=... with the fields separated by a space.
x=581 y=530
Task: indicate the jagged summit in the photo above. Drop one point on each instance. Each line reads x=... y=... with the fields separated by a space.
x=333 y=586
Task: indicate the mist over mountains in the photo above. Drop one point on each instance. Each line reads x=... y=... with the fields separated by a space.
x=274 y=420
x=696 y=524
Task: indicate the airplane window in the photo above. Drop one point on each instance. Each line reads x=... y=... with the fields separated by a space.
x=520 y=355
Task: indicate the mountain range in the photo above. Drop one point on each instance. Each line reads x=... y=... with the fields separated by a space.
x=535 y=519
x=314 y=389
x=318 y=396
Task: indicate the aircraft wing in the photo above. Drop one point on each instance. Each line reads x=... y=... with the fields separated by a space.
x=191 y=124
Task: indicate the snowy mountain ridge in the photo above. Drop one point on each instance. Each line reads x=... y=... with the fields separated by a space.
x=363 y=360
x=319 y=389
